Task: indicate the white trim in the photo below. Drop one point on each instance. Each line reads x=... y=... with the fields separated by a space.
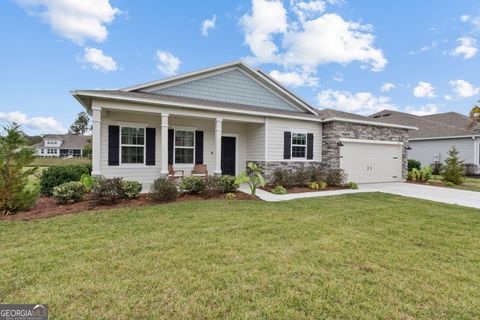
x=266 y=125
x=298 y=131
x=132 y=124
x=371 y=141
x=237 y=137
x=132 y=165
x=447 y=137
x=184 y=128
x=373 y=123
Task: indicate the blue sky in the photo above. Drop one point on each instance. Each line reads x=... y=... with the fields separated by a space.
x=357 y=56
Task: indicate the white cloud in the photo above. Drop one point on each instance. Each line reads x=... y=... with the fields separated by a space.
x=423 y=110
x=387 y=86
x=41 y=124
x=431 y=46
x=467 y=47
x=167 y=63
x=73 y=19
x=306 y=9
x=362 y=102
x=308 y=42
x=424 y=90
x=447 y=97
x=295 y=79
x=463 y=88
x=465 y=18
x=208 y=25
x=98 y=60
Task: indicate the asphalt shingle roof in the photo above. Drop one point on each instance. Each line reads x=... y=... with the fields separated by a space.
x=69 y=141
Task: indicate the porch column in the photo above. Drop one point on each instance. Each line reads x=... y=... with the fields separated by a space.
x=218 y=146
x=164 y=146
x=96 y=139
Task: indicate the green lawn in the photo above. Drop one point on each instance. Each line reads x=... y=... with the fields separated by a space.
x=47 y=162
x=356 y=256
x=471 y=184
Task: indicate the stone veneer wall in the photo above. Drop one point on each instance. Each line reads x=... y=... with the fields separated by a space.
x=333 y=131
x=270 y=166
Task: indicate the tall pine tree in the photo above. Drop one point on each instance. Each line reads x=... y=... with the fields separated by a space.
x=81 y=125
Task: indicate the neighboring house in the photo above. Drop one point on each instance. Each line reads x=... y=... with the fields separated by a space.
x=61 y=145
x=436 y=134
x=227 y=116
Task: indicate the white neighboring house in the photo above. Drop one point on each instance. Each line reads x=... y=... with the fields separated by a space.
x=226 y=116
x=61 y=145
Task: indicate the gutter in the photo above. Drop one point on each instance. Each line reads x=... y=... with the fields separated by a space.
x=473 y=136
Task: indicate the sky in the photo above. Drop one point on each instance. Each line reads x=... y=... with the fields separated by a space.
x=419 y=57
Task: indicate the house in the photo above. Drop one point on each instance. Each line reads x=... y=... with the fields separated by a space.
x=436 y=134
x=61 y=145
x=227 y=116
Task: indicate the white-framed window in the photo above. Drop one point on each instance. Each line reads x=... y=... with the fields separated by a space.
x=132 y=145
x=299 y=145
x=184 y=145
x=51 y=151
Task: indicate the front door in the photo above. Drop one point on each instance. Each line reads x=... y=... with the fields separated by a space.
x=228 y=155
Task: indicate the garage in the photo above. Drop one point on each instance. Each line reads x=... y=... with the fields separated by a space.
x=368 y=161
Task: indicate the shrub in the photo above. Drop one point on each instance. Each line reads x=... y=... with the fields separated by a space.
x=131 y=189
x=87 y=181
x=424 y=174
x=57 y=175
x=69 y=192
x=193 y=185
x=317 y=174
x=230 y=195
x=335 y=177
x=254 y=179
x=313 y=185
x=470 y=169
x=449 y=184
x=227 y=184
x=212 y=186
x=301 y=177
x=352 y=185
x=282 y=177
x=453 y=169
x=163 y=189
x=107 y=191
x=436 y=168
x=15 y=192
x=412 y=163
x=279 y=190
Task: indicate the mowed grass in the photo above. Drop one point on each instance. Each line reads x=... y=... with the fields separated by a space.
x=356 y=256
x=52 y=161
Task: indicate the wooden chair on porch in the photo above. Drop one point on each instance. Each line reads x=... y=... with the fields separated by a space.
x=174 y=174
x=200 y=170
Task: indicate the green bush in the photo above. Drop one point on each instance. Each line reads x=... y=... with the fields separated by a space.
x=163 y=189
x=227 y=184
x=69 y=192
x=449 y=184
x=352 y=185
x=230 y=195
x=193 y=185
x=335 y=177
x=317 y=173
x=279 y=190
x=57 y=175
x=301 y=176
x=424 y=174
x=87 y=181
x=131 y=189
x=282 y=177
x=436 y=168
x=107 y=191
x=453 y=168
x=212 y=186
x=317 y=185
x=412 y=163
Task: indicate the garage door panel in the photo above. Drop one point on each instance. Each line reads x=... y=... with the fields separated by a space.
x=371 y=162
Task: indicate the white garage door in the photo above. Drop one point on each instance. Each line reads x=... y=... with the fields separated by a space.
x=371 y=161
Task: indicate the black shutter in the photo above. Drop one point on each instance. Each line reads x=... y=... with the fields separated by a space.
x=113 y=145
x=150 y=144
x=287 y=144
x=171 y=133
x=309 y=146
x=198 y=147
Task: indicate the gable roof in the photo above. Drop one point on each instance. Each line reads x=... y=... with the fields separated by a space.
x=454 y=119
x=438 y=126
x=69 y=141
x=256 y=75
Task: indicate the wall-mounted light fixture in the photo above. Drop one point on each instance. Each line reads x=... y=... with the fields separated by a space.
x=407 y=147
x=340 y=143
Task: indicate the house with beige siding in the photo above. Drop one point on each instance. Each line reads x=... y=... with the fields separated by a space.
x=226 y=116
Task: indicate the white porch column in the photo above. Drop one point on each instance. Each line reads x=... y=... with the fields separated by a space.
x=218 y=146
x=96 y=141
x=164 y=146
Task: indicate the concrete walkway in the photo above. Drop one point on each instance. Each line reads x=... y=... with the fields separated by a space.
x=438 y=194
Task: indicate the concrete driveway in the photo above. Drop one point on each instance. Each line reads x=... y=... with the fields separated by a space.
x=439 y=194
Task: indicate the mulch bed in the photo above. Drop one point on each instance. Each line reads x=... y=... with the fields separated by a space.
x=269 y=188
x=46 y=207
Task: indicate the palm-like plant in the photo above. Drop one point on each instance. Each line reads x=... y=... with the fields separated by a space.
x=475 y=113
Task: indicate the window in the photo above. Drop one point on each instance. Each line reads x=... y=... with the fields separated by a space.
x=299 y=145
x=184 y=146
x=132 y=141
x=51 y=151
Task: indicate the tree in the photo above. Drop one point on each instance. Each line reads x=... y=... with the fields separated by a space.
x=475 y=114
x=87 y=149
x=15 y=192
x=453 y=169
x=81 y=125
x=254 y=179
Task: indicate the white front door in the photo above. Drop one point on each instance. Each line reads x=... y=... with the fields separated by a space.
x=373 y=161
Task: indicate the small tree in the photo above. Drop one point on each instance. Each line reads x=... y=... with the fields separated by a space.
x=15 y=194
x=453 y=168
x=81 y=125
x=254 y=179
x=87 y=149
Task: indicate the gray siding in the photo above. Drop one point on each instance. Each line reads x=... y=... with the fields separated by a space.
x=256 y=141
x=231 y=86
x=429 y=151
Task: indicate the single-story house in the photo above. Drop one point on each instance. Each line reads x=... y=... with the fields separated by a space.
x=61 y=145
x=226 y=116
x=436 y=134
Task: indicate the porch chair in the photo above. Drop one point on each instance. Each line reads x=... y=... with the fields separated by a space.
x=200 y=170
x=174 y=174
